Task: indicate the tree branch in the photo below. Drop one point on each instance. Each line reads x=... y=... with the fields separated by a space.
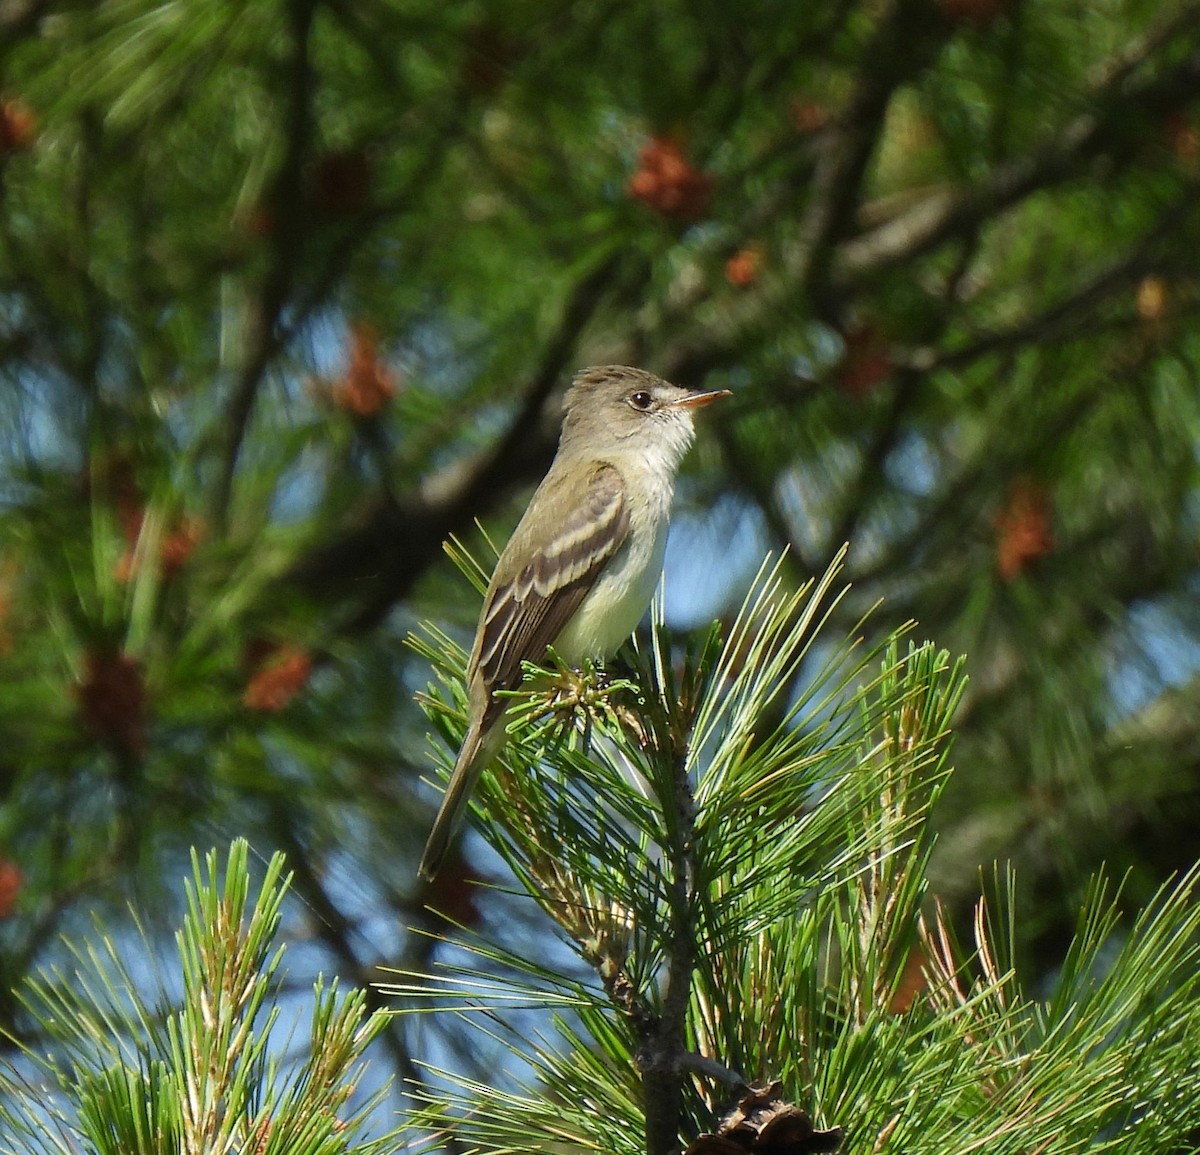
x=660 y=1056
x=903 y=43
x=396 y=542
x=263 y=311
x=1079 y=307
x=949 y=213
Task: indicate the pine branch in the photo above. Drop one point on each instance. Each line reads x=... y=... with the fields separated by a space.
x=787 y=902
x=263 y=310
x=948 y=214
x=130 y=1077
x=395 y=542
x=1076 y=313
x=663 y=1044
x=902 y=44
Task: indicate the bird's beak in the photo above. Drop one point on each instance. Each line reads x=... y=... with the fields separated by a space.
x=699 y=400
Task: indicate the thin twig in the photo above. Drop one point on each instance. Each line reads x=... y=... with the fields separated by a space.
x=690 y=1061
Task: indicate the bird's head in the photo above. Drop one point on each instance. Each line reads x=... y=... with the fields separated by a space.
x=619 y=409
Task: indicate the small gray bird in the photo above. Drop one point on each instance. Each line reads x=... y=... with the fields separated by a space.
x=582 y=564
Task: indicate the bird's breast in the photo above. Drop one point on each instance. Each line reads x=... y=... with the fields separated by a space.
x=622 y=593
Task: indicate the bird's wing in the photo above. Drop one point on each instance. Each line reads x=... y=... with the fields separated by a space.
x=525 y=613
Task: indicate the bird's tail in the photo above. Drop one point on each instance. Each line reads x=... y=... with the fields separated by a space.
x=477 y=751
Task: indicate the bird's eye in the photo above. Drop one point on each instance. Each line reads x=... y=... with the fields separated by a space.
x=641 y=400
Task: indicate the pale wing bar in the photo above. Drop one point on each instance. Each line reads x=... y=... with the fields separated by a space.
x=528 y=613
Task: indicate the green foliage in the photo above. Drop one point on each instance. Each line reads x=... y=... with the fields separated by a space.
x=127 y=1076
x=698 y=837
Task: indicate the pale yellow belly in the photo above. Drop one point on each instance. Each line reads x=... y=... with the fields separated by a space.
x=618 y=600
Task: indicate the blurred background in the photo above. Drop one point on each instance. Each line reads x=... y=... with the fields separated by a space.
x=289 y=292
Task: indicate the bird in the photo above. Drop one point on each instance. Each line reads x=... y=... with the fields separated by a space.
x=581 y=567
